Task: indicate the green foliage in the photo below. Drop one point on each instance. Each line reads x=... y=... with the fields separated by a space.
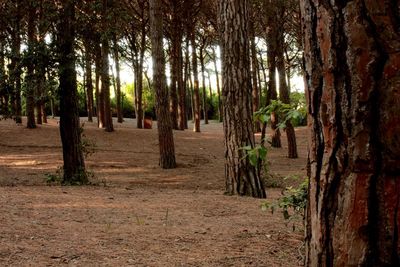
x=54 y=178
x=298 y=100
x=285 y=113
x=255 y=154
x=293 y=202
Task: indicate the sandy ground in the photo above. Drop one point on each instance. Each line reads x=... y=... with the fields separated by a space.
x=138 y=215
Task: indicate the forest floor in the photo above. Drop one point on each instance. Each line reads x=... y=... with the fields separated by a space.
x=138 y=214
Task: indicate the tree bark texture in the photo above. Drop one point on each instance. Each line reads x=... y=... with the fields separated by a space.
x=352 y=55
x=74 y=164
x=165 y=133
x=241 y=177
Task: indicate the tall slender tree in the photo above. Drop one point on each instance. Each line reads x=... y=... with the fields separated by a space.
x=241 y=176
x=352 y=57
x=105 y=67
x=74 y=164
x=165 y=133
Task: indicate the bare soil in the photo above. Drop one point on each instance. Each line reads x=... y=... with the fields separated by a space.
x=138 y=214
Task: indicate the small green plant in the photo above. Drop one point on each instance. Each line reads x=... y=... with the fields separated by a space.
x=292 y=204
x=255 y=154
x=54 y=178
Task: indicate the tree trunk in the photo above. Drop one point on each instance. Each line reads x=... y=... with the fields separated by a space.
x=186 y=89
x=241 y=177
x=74 y=164
x=105 y=71
x=15 y=66
x=285 y=97
x=165 y=133
x=218 y=87
x=352 y=62
x=272 y=94
x=196 y=94
x=254 y=68
x=30 y=66
x=118 y=96
x=99 y=94
x=89 y=80
x=139 y=78
x=203 y=70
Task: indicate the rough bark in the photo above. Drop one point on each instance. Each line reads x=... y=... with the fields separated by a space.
x=352 y=61
x=74 y=164
x=241 y=177
x=165 y=133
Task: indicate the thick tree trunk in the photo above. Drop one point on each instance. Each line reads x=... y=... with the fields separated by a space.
x=74 y=164
x=241 y=177
x=30 y=66
x=352 y=62
x=165 y=133
x=196 y=94
x=118 y=96
x=285 y=97
x=105 y=71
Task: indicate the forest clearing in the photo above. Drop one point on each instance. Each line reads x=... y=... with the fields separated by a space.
x=138 y=214
x=200 y=133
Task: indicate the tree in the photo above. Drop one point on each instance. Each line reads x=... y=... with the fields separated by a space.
x=241 y=177
x=165 y=133
x=74 y=164
x=105 y=67
x=30 y=76
x=352 y=63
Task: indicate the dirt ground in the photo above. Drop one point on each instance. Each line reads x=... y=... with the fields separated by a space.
x=138 y=215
